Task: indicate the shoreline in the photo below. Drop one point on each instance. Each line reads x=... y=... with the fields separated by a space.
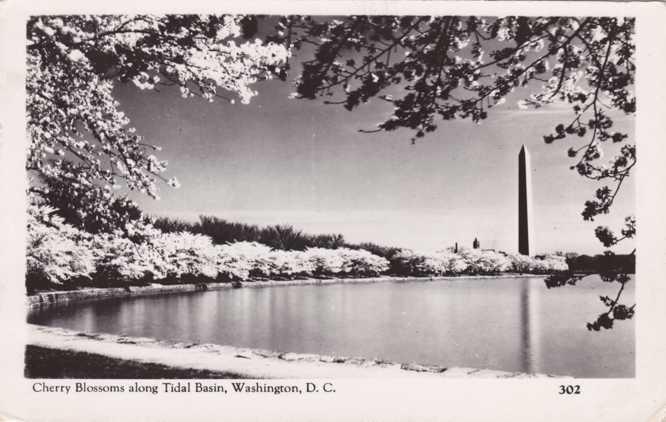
x=245 y=362
x=66 y=297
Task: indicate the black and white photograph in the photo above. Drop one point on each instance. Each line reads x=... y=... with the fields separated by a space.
x=256 y=198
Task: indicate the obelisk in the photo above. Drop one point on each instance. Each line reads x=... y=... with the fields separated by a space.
x=525 y=216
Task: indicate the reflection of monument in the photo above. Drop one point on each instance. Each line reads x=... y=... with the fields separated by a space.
x=525 y=215
x=530 y=352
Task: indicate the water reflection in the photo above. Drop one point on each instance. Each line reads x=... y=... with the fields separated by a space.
x=507 y=324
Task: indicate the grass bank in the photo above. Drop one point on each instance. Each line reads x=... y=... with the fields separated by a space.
x=42 y=362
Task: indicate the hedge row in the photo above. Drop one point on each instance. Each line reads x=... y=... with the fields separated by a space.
x=59 y=254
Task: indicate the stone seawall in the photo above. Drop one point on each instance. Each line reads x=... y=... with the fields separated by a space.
x=64 y=297
x=90 y=294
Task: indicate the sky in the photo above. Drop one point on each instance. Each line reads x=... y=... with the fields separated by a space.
x=301 y=162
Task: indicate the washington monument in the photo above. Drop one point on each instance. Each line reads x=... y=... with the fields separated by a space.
x=525 y=215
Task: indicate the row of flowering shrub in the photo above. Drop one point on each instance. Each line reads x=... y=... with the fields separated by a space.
x=474 y=261
x=59 y=253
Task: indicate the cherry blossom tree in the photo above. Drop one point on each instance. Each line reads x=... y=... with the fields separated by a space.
x=438 y=68
x=82 y=148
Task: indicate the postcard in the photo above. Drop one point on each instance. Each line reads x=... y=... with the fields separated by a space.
x=409 y=211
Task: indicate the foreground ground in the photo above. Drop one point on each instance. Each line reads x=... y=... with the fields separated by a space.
x=113 y=353
x=42 y=362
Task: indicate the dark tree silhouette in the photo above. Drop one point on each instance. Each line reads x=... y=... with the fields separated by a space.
x=78 y=133
x=439 y=68
x=80 y=210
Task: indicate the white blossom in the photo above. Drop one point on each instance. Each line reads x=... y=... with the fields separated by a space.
x=71 y=105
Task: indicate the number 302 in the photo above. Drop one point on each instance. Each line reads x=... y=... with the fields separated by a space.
x=569 y=389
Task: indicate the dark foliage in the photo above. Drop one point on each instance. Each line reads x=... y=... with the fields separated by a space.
x=433 y=69
x=388 y=252
x=281 y=236
x=611 y=268
x=82 y=209
x=601 y=263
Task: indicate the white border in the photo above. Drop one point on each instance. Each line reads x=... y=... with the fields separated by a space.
x=456 y=400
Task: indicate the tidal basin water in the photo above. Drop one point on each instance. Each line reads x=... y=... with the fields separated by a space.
x=510 y=324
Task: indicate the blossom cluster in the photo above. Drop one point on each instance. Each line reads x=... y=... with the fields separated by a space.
x=80 y=137
x=56 y=251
